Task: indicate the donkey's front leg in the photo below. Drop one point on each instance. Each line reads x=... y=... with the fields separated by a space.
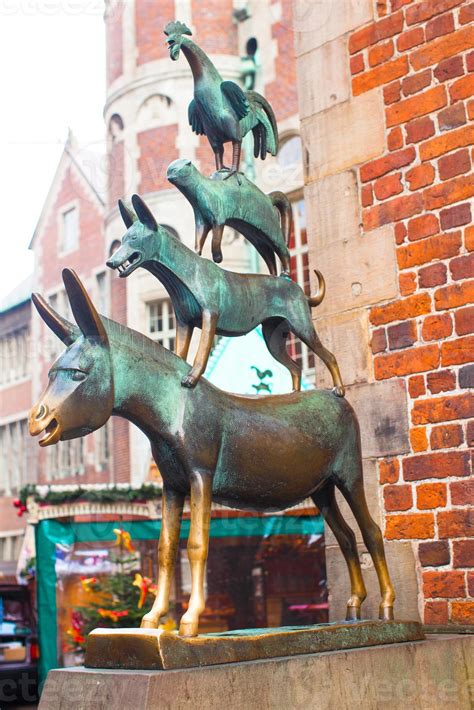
x=198 y=542
x=209 y=324
x=167 y=549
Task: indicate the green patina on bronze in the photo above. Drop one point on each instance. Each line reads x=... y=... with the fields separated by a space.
x=261 y=453
x=221 y=110
x=217 y=301
x=265 y=220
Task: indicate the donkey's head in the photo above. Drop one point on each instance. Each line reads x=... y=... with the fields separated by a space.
x=80 y=395
x=142 y=240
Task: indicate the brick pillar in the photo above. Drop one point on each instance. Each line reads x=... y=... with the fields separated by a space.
x=388 y=130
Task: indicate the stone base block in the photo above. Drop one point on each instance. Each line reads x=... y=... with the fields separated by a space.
x=434 y=674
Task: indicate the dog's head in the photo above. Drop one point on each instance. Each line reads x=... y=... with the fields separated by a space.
x=141 y=242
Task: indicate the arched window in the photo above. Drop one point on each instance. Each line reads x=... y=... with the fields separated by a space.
x=157 y=110
x=116 y=126
x=290 y=155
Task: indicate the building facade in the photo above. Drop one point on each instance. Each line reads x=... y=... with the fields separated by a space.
x=385 y=97
x=374 y=106
x=16 y=452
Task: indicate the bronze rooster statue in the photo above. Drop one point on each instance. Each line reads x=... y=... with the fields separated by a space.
x=221 y=110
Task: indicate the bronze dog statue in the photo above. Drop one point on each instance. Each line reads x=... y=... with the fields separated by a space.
x=265 y=220
x=218 y=301
x=302 y=444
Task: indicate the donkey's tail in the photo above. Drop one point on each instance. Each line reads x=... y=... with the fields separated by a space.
x=283 y=205
x=318 y=297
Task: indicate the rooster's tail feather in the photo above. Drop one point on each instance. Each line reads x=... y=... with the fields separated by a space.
x=265 y=133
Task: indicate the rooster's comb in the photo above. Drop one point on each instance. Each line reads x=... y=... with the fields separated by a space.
x=177 y=28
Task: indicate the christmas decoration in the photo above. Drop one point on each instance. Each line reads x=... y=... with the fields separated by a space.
x=59 y=495
x=115 y=600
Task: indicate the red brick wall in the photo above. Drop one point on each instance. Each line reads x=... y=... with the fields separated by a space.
x=89 y=255
x=151 y=17
x=114 y=39
x=157 y=150
x=215 y=30
x=16 y=398
x=282 y=93
x=206 y=161
x=116 y=172
x=421 y=53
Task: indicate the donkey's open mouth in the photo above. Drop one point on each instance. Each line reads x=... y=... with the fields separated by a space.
x=52 y=433
x=130 y=264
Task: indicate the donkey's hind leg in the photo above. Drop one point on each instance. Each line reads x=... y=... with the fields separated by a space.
x=275 y=333
x=325 y=500
x=353 y=491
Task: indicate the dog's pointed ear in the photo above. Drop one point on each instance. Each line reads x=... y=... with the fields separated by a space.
x=127 y=215
x=144 y=214
x=66 y=331
x=84 y=311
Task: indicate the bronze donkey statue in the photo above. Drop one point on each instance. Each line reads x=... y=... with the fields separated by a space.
x=303 y=444
x=218 y=301
x=265 y=220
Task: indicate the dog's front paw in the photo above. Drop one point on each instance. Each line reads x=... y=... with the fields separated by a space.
x=339 y=391
x=189 y=381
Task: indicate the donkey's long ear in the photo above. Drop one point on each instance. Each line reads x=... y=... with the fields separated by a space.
x=144 y=214
x=87 y=318
x=66 y=331
x=127 y=215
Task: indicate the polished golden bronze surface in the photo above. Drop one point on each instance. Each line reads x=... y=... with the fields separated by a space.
x=153 y=649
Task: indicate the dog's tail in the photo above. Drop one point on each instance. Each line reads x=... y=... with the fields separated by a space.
x=283 y=205
x=318 y=297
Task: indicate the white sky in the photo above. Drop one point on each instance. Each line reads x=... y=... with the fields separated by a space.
x=52 y=77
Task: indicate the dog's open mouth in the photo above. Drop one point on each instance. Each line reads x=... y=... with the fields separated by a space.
x=130 y=264
x=52 y=433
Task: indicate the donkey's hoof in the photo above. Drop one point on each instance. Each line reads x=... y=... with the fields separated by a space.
x=386 y=613
x=189 y=381
x=188 y=629
x=339 y=391
x=217 y=258
x=353 y=613
x=149 y=623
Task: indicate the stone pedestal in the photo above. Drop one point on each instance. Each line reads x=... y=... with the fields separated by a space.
x=435 y=674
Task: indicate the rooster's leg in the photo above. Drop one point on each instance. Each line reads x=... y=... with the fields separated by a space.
x=219 y=156
x=236 y=151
